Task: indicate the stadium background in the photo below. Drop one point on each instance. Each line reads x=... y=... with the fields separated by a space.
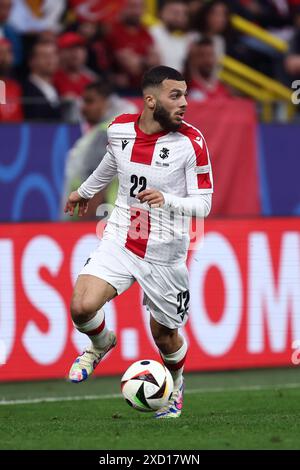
x=245 y=277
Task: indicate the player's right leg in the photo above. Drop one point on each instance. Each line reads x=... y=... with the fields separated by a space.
x=105 y=274
x=89 y=296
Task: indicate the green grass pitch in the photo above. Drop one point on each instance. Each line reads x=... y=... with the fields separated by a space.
x=229 y=410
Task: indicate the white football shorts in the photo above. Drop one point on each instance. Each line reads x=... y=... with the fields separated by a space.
x=165 y=288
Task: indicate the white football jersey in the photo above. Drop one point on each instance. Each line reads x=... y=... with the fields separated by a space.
x=175 y=163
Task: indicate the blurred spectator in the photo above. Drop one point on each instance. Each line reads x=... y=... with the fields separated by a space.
x=41 y=100
x=7 y=31
x=170 y=36
x=72 y=76
x=194 y=8
x=97 y=54
x=202 y=81
x=132 y=48
x=11 y=111
x=99 y=107
x=35 y=20
x=35 y=16
x=214 y=22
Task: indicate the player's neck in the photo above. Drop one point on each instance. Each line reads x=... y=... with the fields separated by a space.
x=148 y=125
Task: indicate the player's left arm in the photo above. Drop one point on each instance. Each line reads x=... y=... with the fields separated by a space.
x=199 y=184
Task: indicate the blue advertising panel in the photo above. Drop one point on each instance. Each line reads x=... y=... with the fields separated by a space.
x=279 y=168
x=32 y=160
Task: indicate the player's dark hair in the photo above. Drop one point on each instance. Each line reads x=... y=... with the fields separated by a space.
x=156 y=75
x=100 y=87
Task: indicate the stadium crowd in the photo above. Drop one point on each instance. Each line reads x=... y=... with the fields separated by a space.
x=51 y=50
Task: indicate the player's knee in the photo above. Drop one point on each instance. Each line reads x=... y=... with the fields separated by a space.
x=82 y=310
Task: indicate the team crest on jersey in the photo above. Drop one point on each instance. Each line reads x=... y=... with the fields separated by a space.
x=164 y=153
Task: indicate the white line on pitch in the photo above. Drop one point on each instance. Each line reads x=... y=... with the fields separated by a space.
x=30 y=401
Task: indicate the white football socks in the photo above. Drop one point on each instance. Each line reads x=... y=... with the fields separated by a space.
x=175 y=363
x=96 y=330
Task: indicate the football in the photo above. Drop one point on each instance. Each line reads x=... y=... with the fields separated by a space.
x=147 y=385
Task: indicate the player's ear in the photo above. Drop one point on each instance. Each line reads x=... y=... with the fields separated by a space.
x=150 y=101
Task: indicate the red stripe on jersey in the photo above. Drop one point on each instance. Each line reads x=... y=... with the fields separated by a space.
x=203 y=181
x=200 y=149
x=139 y=230
x=142 y=151
x=96 y=331
x=195 y=137
x=144 y=144
x=124 y=118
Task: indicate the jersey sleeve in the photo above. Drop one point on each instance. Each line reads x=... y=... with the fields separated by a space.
x=198 y=172
x=101 y=177
x=197 y=205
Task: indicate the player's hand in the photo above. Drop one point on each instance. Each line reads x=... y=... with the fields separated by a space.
x=152 y=196
x=75 y=200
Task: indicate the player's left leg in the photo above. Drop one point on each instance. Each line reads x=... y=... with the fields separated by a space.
x=173 y=349
x=166 y=297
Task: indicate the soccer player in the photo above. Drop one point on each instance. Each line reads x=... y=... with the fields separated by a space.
x=165 y=177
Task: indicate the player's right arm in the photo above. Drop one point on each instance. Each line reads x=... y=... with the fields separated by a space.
x=75 y=200
x=97 y=181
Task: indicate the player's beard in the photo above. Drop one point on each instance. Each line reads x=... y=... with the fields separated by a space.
x=163 y=117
